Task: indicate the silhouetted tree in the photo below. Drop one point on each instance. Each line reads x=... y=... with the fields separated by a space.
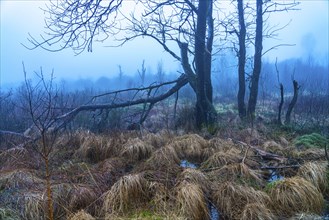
x=77 y=23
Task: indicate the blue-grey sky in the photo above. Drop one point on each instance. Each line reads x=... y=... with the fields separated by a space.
x=308 y=30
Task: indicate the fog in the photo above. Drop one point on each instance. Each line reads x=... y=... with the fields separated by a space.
x=307 y=30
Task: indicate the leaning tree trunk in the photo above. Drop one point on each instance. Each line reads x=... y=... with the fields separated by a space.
x=281 y=104
x=203 y=105
x=293 y=102
x=257 y=61
x=242 y=61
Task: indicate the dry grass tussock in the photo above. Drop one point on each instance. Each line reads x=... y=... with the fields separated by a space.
x=190 y=146
x=191 y=201
x=221 y=144
x=159 y=139
x=310 y=154
x=220 y=159
x=8 y=214
x=231 y=199
x=238 y=172
x=294 y=195
x=96 y=148
x=20 y=179
x=317 y=174
x=196 y=177
x=136 y=149
x=81 y=215
x=61 y=195
x=35 y=207
x=81 y=197
x=257 y=211
x=306 y=216
x=128 y=192
x=161 y=198
x=18 y=157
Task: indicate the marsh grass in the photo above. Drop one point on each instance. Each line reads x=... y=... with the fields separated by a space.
x=293 y=195
x=126 y=194
x=257 y=211
x=81 y=215
x=317 y=174
x=191 y=201
x=136 y=149
x=231 y=199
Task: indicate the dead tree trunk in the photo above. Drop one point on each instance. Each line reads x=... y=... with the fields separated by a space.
x=257 y=61
x=203 y=104
x=293 y=102
x=281 y=104
x=242 y=61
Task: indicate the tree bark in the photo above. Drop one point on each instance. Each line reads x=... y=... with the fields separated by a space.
x=203 y=105
x=257 y=61
x=242 y=61
x=208 y=55
x=293 y=102
x=281 y=104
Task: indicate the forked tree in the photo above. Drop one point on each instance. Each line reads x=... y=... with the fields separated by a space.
x=186 y=26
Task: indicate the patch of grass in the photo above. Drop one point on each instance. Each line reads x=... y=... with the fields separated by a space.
x=191 y=201
x=196 y=177
x=130 y=191
x=135 y=149
x=317 y=174
x=231 y=198
x=313 y=140
x=293 y=195
x=8 y=214
x=257 y=211
x=81 y=215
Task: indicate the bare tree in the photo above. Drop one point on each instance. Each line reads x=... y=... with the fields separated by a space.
x=42 y=106
x=77 y=24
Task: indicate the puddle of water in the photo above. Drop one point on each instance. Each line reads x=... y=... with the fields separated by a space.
x=187 y=164
x=214 y=214
x=274 y=176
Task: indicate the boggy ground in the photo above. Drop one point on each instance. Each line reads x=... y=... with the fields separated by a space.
x=138 y=175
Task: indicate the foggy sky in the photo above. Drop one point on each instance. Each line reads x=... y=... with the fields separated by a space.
x=308 y=30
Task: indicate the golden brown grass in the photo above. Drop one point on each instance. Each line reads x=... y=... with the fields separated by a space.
x=256 y=211
x=310 y=154
x=316 y=173
x=81 y=198
x=136 y=149
x=190 y=147
x=191 y=201
x=231 y=198
x=96 y=148
x=237 y=172
x=81 y=215
x=219 y=159
x=293 y=195
x=128 y=192
x=161 y=198
x=196 y=177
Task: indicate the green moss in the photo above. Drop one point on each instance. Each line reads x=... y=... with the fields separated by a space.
x=313 y=140
x=271 y=185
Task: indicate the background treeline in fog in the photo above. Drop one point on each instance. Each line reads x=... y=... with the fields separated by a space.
x=312 y=108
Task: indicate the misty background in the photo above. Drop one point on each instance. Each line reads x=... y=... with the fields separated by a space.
x=307 y=31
